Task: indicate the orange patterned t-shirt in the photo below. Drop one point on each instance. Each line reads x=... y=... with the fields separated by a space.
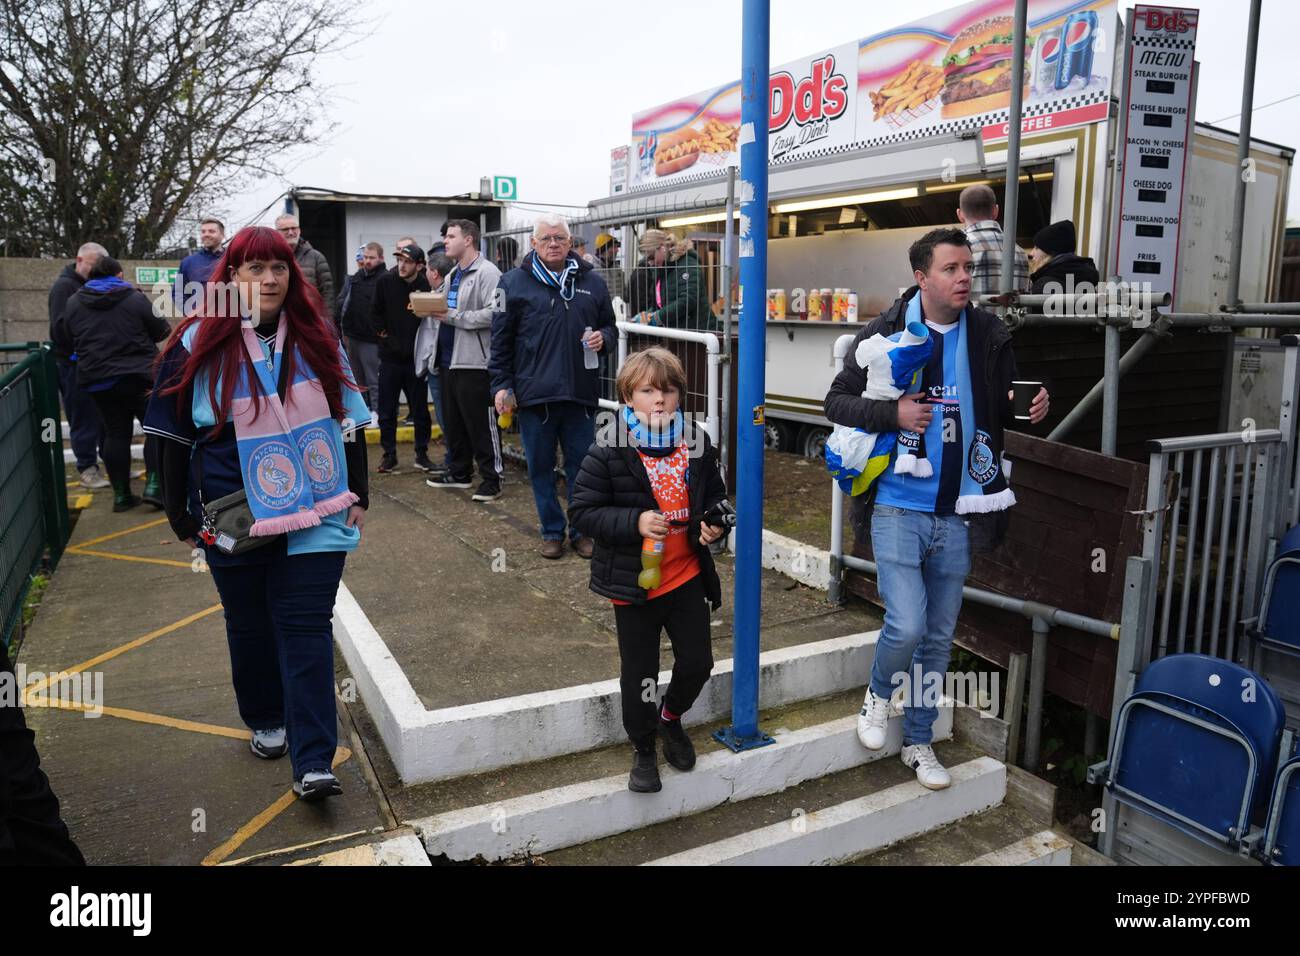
x=668 y=481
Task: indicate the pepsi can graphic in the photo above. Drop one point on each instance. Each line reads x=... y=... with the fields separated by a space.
x=1047 y=52
x=1076 y=48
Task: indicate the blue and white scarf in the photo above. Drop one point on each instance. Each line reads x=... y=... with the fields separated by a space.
x=563 y=280
x=643 y=436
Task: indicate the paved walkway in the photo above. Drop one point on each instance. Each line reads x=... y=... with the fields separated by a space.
x=163 y=774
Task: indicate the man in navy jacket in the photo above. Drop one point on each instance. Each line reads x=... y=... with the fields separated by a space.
x=551 y=310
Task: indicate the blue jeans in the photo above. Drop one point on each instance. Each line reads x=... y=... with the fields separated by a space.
x=282 y=648
x=435 y=396
x=571 y=425
x=922 y=562
x=84 y=423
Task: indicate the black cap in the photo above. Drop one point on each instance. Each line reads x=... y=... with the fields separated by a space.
x=412 y=252
x=1056 y=239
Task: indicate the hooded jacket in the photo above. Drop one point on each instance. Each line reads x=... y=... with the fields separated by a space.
x=989 y=344
x=112 y=330
x=686 y=296
x=537 y=339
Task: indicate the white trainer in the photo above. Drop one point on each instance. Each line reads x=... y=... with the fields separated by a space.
x=873 y=720
x=929 y=772
x=91 y=478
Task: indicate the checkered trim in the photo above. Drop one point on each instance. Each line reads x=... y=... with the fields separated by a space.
x=1167 y=43
x=905 y=135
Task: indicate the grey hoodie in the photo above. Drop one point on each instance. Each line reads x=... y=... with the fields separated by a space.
x=472 y=319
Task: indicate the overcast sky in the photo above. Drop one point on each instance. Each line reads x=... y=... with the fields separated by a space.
x=543 y=90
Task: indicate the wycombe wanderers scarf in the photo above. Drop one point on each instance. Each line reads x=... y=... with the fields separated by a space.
x=291 y=453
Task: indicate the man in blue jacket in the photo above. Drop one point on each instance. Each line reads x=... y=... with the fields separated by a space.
x=197 y=266
x=550 y=311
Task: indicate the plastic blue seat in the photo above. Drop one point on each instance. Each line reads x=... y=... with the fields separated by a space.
x=1282 y=842
x=1191 y=751
x=1280 y=602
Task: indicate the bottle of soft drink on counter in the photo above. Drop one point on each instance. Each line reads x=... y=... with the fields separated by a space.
x=652 y=555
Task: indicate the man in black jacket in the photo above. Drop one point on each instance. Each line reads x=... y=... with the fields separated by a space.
x=112 y=328
x=362 y=342
x=556 y=314
x=1056 y=268
x=396 y=326
x=924 y=527
x=86 y=429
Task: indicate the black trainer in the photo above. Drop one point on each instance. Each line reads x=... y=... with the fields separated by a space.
x=317 y=785
x=645 y=772
x=678 y=749
x=488 y=490
x=445 y=480
x=422 y=462
x=388 y=465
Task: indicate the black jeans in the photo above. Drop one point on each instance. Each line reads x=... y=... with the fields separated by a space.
x=281 y=641
x=31 y=830
x=470 y=421
x=119 y=406
x=395 y=378
x=684 y=613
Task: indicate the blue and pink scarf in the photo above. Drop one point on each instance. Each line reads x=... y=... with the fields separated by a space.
x=291 y=453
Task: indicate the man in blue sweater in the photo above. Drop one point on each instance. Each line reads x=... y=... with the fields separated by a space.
x=197 y=266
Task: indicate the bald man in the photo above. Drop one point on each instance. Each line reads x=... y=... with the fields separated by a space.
x=312 y=262
x=84 y=424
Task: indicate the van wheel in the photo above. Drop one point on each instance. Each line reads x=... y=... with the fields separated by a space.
x=777 y=436
x=812 y=441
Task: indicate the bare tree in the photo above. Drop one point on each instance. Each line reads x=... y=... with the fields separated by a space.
x=117 y=117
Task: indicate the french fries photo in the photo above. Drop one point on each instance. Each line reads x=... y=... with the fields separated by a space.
x=917 y=84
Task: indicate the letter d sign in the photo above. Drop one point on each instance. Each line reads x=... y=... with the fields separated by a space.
x=505 y=188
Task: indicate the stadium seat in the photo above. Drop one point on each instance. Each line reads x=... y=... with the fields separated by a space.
x=1282 y=841
x=1196 y=745
x=1275 y=642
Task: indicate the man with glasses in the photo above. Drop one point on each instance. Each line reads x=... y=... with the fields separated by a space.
x=550 y=312
x=310 y=261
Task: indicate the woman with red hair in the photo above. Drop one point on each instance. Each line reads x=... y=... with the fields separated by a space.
x=254 y=395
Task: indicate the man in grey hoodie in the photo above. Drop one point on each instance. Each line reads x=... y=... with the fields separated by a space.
x=464 y=341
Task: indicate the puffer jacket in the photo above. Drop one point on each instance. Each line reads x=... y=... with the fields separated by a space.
x=611 y=492
x=316 y=270
x=686 y=296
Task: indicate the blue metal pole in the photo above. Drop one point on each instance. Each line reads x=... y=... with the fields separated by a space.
x=743 y=732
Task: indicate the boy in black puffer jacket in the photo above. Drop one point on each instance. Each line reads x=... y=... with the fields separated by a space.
x=648 y=486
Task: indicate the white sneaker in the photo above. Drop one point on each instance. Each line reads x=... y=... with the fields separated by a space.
x=91 y=478
x=374 y=419
x=270 y=744
x=873 y=720
x=929 y=772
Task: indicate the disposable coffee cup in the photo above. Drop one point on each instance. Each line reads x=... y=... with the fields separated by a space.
x=1024 y=397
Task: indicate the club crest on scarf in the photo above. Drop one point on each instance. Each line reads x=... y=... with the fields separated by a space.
x=982 y=463
x=273 y=478
x=318 y=453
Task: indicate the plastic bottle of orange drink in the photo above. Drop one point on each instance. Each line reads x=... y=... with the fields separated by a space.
x=652 y=555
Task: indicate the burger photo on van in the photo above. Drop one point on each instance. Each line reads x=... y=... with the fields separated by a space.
x=977 y=69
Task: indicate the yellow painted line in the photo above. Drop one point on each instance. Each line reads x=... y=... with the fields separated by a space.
x=165 y=562
x=301 y=846
x=82 y=502
x=260 y=822
x=141 y=716
x=117 y=534
x=130 y=645
x=75 y=484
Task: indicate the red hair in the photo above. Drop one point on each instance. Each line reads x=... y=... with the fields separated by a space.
x=219 y=340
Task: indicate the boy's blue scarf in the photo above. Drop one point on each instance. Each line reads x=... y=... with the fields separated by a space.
x=646 y=437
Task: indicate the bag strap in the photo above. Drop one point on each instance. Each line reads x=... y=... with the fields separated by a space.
x=281 y=387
